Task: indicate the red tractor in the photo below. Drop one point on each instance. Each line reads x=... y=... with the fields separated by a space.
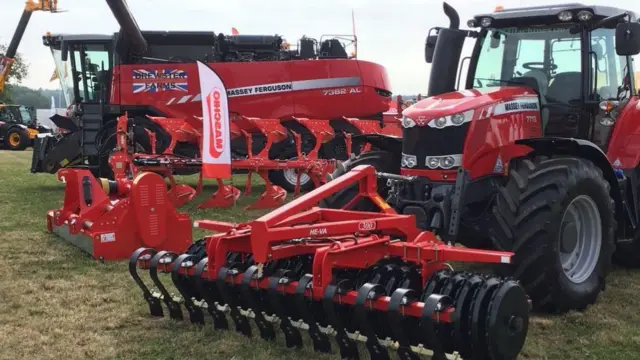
x=533 y=154
x=152 y=76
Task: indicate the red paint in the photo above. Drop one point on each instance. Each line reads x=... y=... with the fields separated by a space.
x=347 y=242
x=624 y=144
x=142 y=216
x=306 y=103
x=490 y=135
x=216 y=141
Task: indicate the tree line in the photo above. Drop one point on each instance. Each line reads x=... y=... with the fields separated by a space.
x=14 y=93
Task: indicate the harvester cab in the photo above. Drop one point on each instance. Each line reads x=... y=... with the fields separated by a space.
x=533 y=152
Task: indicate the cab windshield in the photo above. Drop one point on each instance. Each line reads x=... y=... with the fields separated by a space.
x=549 y=59
x=63 y=75
x=26 y=115
x=82 y=77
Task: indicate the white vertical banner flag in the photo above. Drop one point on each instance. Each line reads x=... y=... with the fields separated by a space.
x=53 y=106
x=216 y=144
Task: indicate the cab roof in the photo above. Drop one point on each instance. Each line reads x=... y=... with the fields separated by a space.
x=540 y=15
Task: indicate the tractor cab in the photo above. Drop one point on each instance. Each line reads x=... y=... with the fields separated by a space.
x=17 y=114
x=575 y=57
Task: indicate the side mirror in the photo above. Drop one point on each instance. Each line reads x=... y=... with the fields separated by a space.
x=628 y=39
x=430 y=47
x=64 y=50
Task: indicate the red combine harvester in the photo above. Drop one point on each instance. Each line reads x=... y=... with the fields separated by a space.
x=312 y=93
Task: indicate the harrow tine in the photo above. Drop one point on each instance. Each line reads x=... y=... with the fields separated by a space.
x=320 y=340
x=174 y=308
x=265 y=327
x=154 y=304
x=185 y=261
x=241 y=321
x=370 y=291
x=348 y=347
x=292 y=335
x=219 y=319
x=400 y=298
x=433 y=305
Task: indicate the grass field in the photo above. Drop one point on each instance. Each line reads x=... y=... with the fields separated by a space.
x=58 y=303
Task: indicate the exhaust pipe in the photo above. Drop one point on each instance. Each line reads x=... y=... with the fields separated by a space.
x=452 y=14
x=446 y=55
x=128 y=26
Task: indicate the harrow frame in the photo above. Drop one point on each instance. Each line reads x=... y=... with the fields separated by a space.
x=336 y=240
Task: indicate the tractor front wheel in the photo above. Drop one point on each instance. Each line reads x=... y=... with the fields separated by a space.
x=556 y=215
x=17 y=139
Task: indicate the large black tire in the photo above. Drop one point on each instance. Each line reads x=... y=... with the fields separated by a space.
x=17 y=139
x=382 y=161
x=529 y=213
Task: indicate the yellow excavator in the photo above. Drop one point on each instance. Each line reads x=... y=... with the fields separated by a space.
x=7 y=60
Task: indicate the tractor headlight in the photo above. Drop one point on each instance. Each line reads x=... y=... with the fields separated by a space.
x=457 y=119
x=585 y=15
x=409 y=161
x=440 y=122
x=486 y=22
x=408 y=122
x=444 y=162
x=607 y=121
x=433 y=162
x=447 y=162
x=565 y=15
x=451 y=120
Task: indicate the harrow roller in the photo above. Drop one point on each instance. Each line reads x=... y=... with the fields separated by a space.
x=368 y=277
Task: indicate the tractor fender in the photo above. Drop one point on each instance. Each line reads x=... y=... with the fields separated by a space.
x=585 y=149
x=392 y=144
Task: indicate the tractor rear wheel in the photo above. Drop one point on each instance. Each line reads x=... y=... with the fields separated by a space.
x=17 y=139
x=556 y=215
x=383 y=161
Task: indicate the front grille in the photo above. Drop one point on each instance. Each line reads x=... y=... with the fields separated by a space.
x=428 y=141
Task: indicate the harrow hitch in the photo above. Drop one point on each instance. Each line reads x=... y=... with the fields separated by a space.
x=348 y=275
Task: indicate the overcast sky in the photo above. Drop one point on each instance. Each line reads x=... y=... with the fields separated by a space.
x=391 y=33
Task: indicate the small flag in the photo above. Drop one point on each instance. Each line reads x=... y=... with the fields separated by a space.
x=234 y=31
x=53 y=106
x=54 y=76
x=216 y=145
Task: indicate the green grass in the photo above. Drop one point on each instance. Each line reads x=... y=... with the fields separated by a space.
x=58 y=303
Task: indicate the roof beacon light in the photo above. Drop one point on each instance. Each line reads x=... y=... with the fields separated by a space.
x=498 y=8
x=565 y=15
x=585 y=15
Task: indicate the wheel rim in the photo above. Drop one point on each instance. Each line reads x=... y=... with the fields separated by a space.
x=291 y=177
x=580 y=239
x=14 y=139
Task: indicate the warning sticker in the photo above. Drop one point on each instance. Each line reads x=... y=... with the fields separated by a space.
x=108 y=237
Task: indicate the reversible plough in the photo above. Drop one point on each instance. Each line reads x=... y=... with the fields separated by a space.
x=351 y=275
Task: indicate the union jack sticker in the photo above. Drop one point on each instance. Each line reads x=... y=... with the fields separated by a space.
x=151 y=80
